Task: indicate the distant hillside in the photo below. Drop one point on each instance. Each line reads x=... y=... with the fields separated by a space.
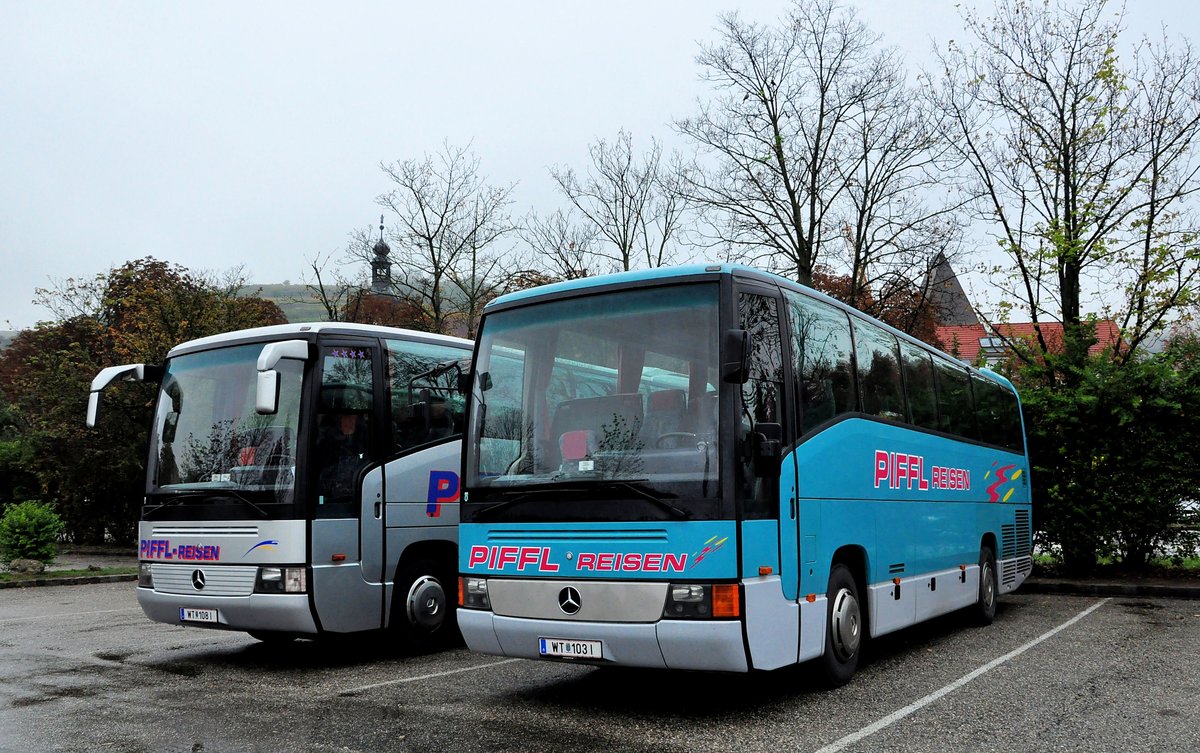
x=297 y=301
x=6 y=337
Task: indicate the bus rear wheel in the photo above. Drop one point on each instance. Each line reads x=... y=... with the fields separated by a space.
x=843 y=628
x=984 y=610
x=422 y=612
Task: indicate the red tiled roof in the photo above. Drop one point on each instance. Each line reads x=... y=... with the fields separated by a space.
x=967 y=336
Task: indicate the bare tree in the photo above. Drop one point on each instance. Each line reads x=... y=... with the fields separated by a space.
x=822 y=157
x=338 y=295
x=1085 y=168
x=899 y=218
x=778 y=131
x=481 y=271
x=561 y=246
x=448 y=219
x=632 y=204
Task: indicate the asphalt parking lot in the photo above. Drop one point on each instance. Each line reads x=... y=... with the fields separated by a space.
x=82 y=670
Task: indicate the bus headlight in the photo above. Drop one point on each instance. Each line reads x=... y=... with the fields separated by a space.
x=145 y=577
x=473 y=593
x=281 y=580
x=691 y=601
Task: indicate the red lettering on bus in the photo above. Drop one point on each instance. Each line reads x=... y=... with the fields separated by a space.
x=478 y=556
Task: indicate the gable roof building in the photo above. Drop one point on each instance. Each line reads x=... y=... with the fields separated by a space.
x=970 y=342
x=961 y=334
x=947 y=297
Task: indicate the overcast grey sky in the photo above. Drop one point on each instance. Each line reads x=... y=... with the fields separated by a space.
x=220 y=134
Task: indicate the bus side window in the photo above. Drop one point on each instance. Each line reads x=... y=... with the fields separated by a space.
x=996 y=409
x=423 y=410
x=918 y=383
x=761 y=394
x=344 y=428
x=956 y=410
x=821 y=347
x=879 y=372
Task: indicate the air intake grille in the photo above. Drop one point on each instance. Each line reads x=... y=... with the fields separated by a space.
x=1017 y=537
x=247 y=531
x=1010 y=570
x=219 y=580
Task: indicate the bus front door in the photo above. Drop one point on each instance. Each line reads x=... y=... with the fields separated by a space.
x=347 y=486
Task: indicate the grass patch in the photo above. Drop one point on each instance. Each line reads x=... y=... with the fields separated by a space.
x=1187 y=568
x=54 y=574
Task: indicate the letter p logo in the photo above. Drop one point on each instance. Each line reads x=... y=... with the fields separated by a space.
x=443 y=488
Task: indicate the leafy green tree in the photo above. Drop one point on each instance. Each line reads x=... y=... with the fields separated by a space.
x=134 y=314
x=16 y=481
x=1084 y=162
x=1113 y=454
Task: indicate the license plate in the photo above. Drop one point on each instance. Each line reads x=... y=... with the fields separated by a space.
x=571 y=649
x=197 y=615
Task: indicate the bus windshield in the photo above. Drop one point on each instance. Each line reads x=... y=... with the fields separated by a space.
x=207 y=437
x=597 y=407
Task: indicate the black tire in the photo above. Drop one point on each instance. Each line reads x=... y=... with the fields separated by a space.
x=422 y=606
x=844 y=628
x=984 y=610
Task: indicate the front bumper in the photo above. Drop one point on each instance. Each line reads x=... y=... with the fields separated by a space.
x=714 y=645
x=285 y=613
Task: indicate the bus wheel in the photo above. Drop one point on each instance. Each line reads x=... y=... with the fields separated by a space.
x=985 y=607
x=422 y=611
x=843 y=628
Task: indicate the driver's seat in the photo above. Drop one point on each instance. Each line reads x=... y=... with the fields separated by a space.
x=665 y=413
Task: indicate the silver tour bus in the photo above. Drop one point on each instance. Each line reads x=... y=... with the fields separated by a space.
x=302 y=480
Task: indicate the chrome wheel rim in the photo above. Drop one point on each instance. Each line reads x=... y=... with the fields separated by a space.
x=846 y=624
x=426 y=603
x=987 y=586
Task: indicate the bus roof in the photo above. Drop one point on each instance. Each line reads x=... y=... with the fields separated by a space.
x=618 y=278
x=304 y=329
x=714 y=270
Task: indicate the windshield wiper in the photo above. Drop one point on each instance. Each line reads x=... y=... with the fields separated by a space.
x=631 y=487
x=524 y=496
x=645 y=494
x=178 y=498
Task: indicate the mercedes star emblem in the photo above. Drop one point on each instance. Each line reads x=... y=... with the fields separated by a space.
x=198 y=579
x=569 y=601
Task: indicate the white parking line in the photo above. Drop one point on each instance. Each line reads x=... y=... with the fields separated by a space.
x=418 y=678
x=68 y=614
x=916 y=706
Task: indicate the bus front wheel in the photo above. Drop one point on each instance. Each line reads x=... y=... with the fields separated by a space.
x=421 y=610
x=985 y=606
x=843 y=627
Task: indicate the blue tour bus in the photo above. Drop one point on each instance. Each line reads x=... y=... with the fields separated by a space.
x=715 y=468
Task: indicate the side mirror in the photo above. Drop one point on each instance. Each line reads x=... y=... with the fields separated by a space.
x=768 y=447
x=735 y=361
x=129 y=372
x=484 y=378
x=266 y=396
x=266 y=393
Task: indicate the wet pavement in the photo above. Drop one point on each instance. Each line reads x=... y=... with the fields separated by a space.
x=82 y=669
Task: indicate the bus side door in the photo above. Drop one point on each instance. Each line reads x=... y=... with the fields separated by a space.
x=769 y=471
x=346 y=487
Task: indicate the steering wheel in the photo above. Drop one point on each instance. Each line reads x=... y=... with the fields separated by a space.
x=673 y=435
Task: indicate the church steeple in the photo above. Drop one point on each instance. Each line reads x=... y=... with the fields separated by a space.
x=381 y=266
